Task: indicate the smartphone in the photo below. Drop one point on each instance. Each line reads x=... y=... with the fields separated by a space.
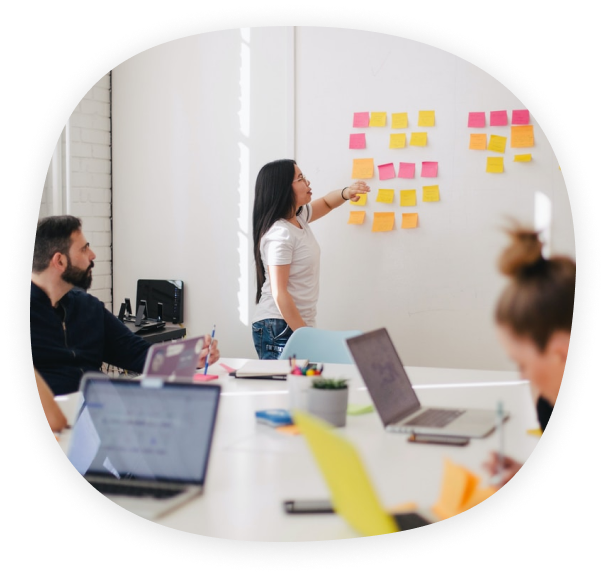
x=308 y=507
x=410 y=520
x=437 y=439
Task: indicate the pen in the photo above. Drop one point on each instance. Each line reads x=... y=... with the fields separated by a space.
x=501 y=433
x=212 y=338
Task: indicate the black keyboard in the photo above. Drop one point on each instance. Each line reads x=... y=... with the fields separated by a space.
x=434 y=418
x=139 y=491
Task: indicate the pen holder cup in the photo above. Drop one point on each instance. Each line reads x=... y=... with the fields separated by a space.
x=298 y=391
x=330 y=405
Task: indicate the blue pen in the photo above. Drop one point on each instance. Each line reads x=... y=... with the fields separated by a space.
x=212 y=339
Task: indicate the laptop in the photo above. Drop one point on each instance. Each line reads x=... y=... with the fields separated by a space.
x=144 y=444
x=353 y=495
x=396 y=401
x=175 y=359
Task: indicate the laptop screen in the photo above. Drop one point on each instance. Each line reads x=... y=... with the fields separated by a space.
x=158 y=432
x=384 y=375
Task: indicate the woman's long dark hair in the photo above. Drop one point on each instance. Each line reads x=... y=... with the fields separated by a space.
x=274 y=199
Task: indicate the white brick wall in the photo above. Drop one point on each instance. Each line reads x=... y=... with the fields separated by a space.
x=90 y=172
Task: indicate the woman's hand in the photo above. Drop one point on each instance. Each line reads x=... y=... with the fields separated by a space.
x=214 y=352
x=510 y=468
x=353 y=192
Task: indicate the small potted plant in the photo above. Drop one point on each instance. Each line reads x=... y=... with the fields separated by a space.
x=327 y=399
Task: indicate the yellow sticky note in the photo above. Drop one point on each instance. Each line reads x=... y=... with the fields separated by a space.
x=361 y=201
x=378 y=119
x=418 y=139
x=522 y=158
x=431 y=193
x=385 y=195
x=522 y=136
x=427 y=118
x=477 y=141
x=356 y=217
x=497 y=143
x=408 y=197
x=397 y=140
x=363 y=168
x=399 y=120
x=494 y=164
x=383 y=221
x=410 y=220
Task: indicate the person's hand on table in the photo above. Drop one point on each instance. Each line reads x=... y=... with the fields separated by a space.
x=510 y=468
x=214 y=352
x=353 y=192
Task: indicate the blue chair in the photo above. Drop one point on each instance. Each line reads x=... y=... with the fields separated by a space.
x=319 y=345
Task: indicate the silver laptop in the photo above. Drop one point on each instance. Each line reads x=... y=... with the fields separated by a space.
x=396 y=401
x=144 y=444
x=175 y=359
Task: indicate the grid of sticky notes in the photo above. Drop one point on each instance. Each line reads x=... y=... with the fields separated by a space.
x=520 y=135
x=366 y=168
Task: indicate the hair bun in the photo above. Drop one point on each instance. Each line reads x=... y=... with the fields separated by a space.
x=524 y=252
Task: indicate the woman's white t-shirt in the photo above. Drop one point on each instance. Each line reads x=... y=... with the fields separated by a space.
x=284 y=243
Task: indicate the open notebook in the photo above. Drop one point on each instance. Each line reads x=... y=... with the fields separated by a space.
x=267 y=369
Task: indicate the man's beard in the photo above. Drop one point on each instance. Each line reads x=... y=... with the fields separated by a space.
x=78 y=277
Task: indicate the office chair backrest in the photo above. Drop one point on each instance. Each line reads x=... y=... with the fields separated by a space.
x=320 y=345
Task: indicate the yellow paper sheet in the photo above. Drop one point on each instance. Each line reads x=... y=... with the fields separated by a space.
x=385 y=195
x=363 y=168
x=522 y=158
x=497 y=143
x=361 y=201
x=477 y=141
x=378 y=119
x=410 y=220
x=356 y=217
x=522 y=136
x=427 y=118
x=383 y=221
x=418 y=139
x=397 y=140
x=399 y=120
x=494 y=164
x=408 y=197
x=431 y=193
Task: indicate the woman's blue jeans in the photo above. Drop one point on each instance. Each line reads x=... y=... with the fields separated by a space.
x=270 y=337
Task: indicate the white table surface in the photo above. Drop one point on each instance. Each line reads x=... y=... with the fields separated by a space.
x=253 y=468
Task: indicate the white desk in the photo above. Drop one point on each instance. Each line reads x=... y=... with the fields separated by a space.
x=253 y=468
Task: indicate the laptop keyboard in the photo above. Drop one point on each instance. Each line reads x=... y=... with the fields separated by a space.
x=137 y=491
x=434 y=418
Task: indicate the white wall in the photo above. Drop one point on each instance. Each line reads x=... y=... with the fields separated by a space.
x=193 y=123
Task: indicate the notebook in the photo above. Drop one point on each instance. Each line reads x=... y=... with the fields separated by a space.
x=175 y=359
x=396 y=401
x=144 y=444
x=352 y=493
x=267 y=369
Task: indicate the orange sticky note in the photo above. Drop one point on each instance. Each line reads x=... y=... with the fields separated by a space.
x=397 y=140
x=399 y=120
x=356 y=217
x=418 y=139
x=361 y=201
x=431 y=193
x=410 y=220
x=427 y=118
x=522 y=136
x=363 y=168
x=408 y=197
x=494 y=164
x=290 y=430
x=477 y=141
x=383 y=221
x=385 y=195
x=458 y=485
x=378 y=119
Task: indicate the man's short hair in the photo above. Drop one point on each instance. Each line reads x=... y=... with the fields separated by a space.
x=53 y=234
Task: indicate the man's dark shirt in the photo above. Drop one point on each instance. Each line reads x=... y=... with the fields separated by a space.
x=544 y=410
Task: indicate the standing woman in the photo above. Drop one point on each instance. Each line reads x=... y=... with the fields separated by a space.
x=287 y=256
x=534 y=319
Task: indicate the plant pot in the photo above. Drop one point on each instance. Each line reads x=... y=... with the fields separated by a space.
x=330 y=405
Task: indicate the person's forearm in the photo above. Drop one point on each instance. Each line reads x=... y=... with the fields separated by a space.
x=335 y=199
x=289 y=310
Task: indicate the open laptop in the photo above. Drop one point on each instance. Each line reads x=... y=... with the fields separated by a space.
x=396 y=401
x=144 y=444
x=175 y=359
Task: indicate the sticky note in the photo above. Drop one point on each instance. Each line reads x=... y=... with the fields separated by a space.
x=431 y=193
x=406 y=170
x=522 y=158
x=410 y=220
x=476 y=120
x=363 y=168
x=356 y=217
x=458 y=486
x=427 y=118
x=399 y=120
x=397 y=140
x=520 y=117
x=361 y=119
x=408 y=197
x=385 y=195
x=383 y=221
x=494 y=164
x=497 y=143
x=477 y=141
x=357 y=141
x=522 y=136
x=361 y=201
x=386 y=171
x=429 y=169
x=378 y=119
x=498 y=118
x=418 y=139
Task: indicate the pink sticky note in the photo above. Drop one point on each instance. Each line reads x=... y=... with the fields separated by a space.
x=386 y=171
x=520 y=117
x=204 y=377
x=498 y=118
x=476 y=120
x=357 y=141
x=407 y=170
x=429 y=169
x=361 y=119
